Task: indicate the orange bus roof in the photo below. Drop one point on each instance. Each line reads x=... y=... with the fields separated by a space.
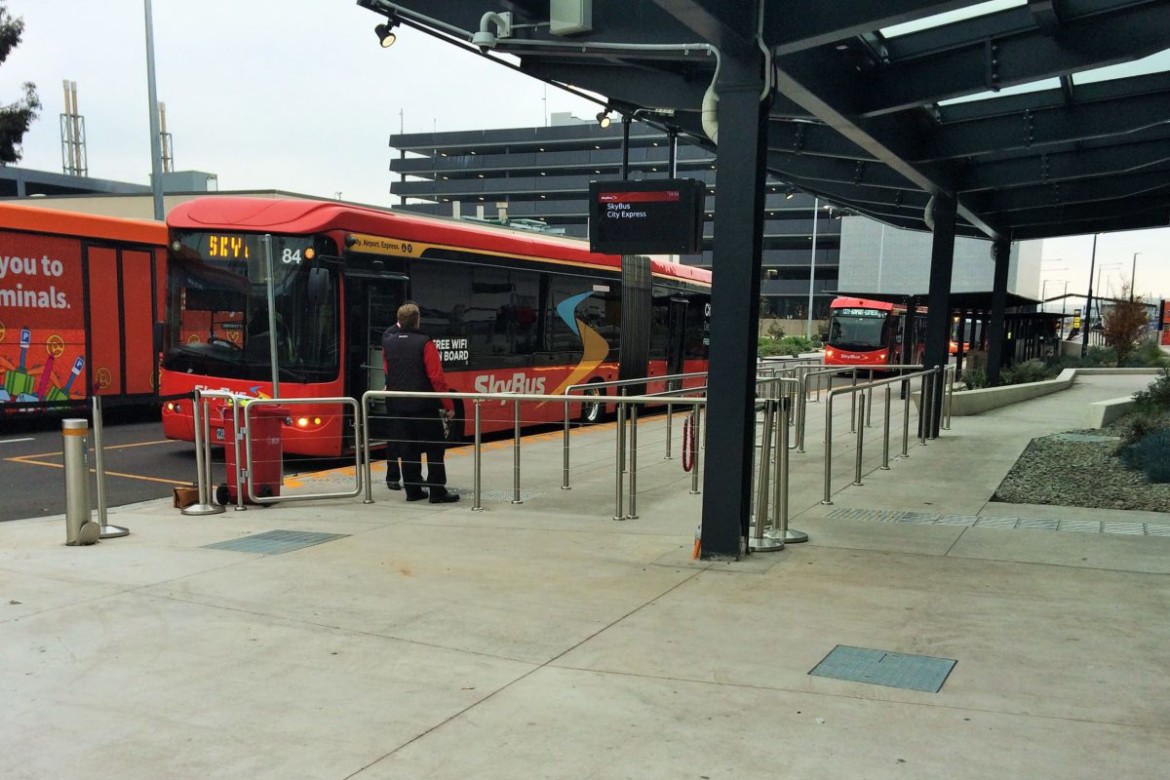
x=69 y=223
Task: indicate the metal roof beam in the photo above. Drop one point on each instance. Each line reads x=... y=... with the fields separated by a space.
x=791 y=27
x=993 y=63
x=1080 y=121
x=1068 y=166
x=1070 y=193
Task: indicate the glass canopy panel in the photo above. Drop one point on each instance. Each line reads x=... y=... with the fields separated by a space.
x=1019 y=89
x=979 y=9
x=1155 y=63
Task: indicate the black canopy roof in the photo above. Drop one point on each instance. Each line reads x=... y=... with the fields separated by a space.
x=1008 y=106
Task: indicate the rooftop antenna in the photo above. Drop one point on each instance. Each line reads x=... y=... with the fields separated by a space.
x=73 y=156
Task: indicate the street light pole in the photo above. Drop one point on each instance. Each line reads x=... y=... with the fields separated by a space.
x=1133 y=278
x=156 y=187
x=812 y=273
x=1087 y=319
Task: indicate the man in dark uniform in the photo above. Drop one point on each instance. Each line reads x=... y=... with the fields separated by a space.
x=411 y=362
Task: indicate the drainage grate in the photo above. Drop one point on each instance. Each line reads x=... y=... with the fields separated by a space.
x=275 y=542
x=894 y=670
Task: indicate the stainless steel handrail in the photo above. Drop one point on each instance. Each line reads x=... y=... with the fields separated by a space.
x=859 y=391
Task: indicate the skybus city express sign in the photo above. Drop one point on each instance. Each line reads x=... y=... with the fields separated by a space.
x=646 y=217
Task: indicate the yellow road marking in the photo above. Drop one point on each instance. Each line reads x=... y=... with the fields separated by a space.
x=26 y=459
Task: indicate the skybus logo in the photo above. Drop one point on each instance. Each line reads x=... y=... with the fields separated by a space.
x=517 y=383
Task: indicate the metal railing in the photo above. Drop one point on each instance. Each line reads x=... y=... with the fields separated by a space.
x=478 y=399
x=861 y=399
x=620 y=384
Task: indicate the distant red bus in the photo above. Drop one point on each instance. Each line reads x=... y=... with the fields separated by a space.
x=509 y=310
x=869 y=333
x=79 y=296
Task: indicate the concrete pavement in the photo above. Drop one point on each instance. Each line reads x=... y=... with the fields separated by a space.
x=545 y=639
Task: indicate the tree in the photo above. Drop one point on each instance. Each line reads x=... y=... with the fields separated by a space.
x=15 y=118
x=1124 y=323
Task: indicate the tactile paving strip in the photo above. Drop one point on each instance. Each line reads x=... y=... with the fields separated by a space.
x=878 y=667
x=500 y=496
x=275 y=542
x=1005 y=523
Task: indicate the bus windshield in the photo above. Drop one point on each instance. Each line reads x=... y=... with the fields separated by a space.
x=218 y=322
x=857 y=331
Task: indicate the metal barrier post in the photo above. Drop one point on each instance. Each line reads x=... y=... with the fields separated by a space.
x=763 y=540
x=853 y=403
x=99 y=464
x=202 y=461
x=789 y=535
x=240 y=433
x=696 y=419
x=516 y=455
x=633 y=461
x=79 y=528
x=906 y=419
x=565 y=454
x=950 y=401
x=886 y=434
x=828 y=498
x=620 y=443
x=477 y=460
x=927 y=391
x=859 y=402
x=697 y=433
x=365 y=464
x=669 y=420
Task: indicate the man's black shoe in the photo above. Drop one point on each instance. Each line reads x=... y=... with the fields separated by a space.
x=394 y=486
x=418 y=497
x=446 y=498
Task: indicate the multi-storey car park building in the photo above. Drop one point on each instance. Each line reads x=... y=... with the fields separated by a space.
x=542 y=174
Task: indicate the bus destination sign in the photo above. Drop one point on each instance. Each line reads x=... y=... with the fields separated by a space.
x=655 y=216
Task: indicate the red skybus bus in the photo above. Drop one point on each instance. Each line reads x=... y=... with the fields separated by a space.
x=79 y=296
x=870 y=334
x=509 y=310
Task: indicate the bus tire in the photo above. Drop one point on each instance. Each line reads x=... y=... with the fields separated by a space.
x=593 y=411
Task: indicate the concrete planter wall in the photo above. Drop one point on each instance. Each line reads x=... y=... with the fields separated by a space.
x=969 y=402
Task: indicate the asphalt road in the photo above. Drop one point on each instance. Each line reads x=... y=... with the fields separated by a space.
x=140 y=465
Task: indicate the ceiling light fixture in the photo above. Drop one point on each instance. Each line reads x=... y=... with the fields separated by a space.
x=604 y=119
x=385 y=32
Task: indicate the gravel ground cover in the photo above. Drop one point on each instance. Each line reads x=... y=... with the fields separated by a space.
x=1079 y=468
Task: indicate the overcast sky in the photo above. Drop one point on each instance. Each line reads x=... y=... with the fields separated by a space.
x=297 y=95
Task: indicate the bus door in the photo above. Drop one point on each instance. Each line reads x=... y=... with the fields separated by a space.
x=371 y=306
x=676 y=334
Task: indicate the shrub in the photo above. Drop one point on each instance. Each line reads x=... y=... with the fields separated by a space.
x=775 y=332
x=1139 y=424
x=1148 y=353
x=975 y=378
x=1156 y=397
x=1151 y=456
x=1029 y=371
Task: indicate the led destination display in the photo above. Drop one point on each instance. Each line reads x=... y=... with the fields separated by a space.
x=634 y=217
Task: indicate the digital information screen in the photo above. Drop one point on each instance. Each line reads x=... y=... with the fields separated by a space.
x=646 y=217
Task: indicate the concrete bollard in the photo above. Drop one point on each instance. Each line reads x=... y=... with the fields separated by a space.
x=79 y=528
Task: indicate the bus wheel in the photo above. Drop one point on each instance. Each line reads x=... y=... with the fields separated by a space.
x=592 y=411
